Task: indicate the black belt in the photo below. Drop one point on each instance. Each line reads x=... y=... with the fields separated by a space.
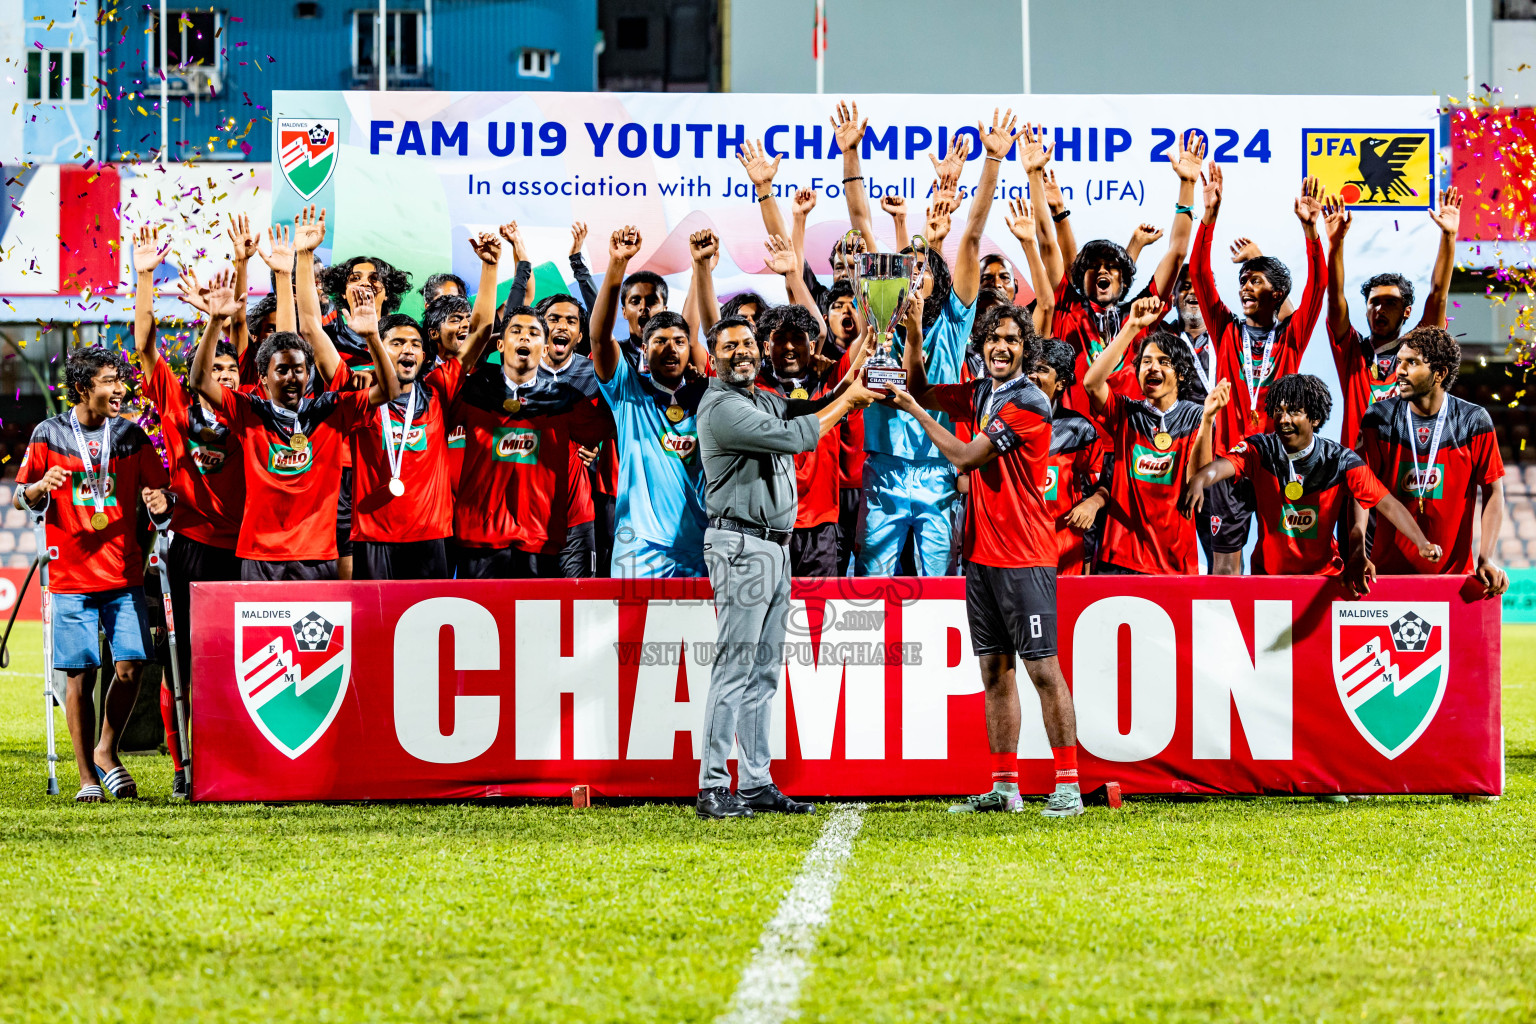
x=779 y=537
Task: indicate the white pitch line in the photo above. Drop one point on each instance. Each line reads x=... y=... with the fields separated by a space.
x=770 y=985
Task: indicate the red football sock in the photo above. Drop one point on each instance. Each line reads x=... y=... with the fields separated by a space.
x=1005 y=768
x=1066 y=764
x=168 y=719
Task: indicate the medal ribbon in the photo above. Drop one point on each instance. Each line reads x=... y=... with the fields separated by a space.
x=396 y=456
x=1291 y=460
x=997 y=397
x=1206 y=374
x=278 y=412
x=98 y=479
x=1422 y=472
x=1253 y=375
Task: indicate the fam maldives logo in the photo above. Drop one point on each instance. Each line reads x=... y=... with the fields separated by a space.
x=1390 y=665
x=307 y=151
x=292 y=663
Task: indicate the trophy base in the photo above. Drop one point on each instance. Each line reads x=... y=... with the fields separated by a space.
x=885 y=378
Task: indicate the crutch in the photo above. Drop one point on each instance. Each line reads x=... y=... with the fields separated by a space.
x=163 y=535
x=44 y=556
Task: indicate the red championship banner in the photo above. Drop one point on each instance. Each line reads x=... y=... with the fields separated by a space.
x=412 y=690
x=11 y=583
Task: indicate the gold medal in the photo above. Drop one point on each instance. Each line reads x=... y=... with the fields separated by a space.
x=1421 y=508
x=1293 y=490
x=675 y=413
x=1162 y=440
x=298 y=441
x=99 y=520
x=799 y=394
x=209 y=435
x=512 y=405
x=397 y=487
x=1253 y=416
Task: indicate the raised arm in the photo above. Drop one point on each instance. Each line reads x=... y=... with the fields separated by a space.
x=219 y=298
x=147 y=254
x=1204 y=454
x=1021 y=222
x=280 y=262
x=760 y=172
x=1044 y=195
x=517 y=295
x=1336 y=221
x=849 y=131
x=622 y=247
x=805 y=202
x=996 y=141
x=308 y=233
x=1142 y=236
x=1186 y=164
x=245 y=243
x=579 y=269
x=482 y=315
x=1448 y=217
x=703 y=247
x=1212 y=310
x=781 y=260
x=365 y=322
x=1309 y=210
x=1144 y=313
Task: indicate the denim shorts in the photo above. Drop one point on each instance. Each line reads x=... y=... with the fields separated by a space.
x=77 y=617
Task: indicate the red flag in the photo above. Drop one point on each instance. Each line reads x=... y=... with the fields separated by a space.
x=818 y=31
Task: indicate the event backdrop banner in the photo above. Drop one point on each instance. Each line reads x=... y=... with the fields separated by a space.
x=411 y=690
x=408 y=176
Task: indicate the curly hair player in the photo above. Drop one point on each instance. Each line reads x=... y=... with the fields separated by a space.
x=1302 y=485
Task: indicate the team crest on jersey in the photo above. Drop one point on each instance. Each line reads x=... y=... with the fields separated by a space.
x=682 y=445
x=1426 y=481
x=308 y=148
x=207 y=458
x=1390 y=665
x=80 y=488
x=515 y=444
x=285 y=461
x=1152 y=466
x=1421 y=435
x=1215 y=525
x=1052 y=478
x=456 y=437
x=293 y=660
x=1372 y=170
x=1299 y=520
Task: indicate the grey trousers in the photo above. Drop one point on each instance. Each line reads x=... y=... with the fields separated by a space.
x=750 y=578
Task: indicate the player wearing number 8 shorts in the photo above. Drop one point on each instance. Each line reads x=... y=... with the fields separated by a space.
x=1009 y=544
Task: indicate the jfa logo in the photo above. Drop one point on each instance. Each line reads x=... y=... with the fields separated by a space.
x=1390 y=665
x=1372 y=169
x=292 y=663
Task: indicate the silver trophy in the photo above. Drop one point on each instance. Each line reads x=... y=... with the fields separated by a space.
x=882 y=281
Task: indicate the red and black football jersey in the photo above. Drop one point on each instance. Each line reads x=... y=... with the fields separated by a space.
x=291 y=492
x=1297 y=538
x=577 y=373
x=1006 y=523
x=1468 y=457
x=90 y=561
x=818 y=472
x=1072 y=470
x=1238 y=347
x=513 y=485
x=1365 y=378
x=1088 y=327
x=207 y=474
x=1144 y=530
x=425 y=510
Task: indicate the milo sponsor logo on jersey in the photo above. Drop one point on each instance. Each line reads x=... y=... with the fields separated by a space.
x=1382 y=389
x=1052 y=479
x=285 y=461
x=684 y=446
x=1299 y=520
x=1151 y=466
x=80 y=488
x=417 y=442
x=206 y=457
x=1425 y=481
x=456 y=437
x=515 y=444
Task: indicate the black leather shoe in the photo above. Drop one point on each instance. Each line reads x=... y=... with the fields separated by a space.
x=771 y=800
x=719 y=802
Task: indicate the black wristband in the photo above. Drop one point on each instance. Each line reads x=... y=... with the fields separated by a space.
x=856 y=177
x=1059 y=217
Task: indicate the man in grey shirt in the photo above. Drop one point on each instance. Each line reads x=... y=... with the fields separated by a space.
x=748 y=438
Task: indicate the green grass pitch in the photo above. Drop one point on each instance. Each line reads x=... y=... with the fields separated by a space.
x=1401 y=909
